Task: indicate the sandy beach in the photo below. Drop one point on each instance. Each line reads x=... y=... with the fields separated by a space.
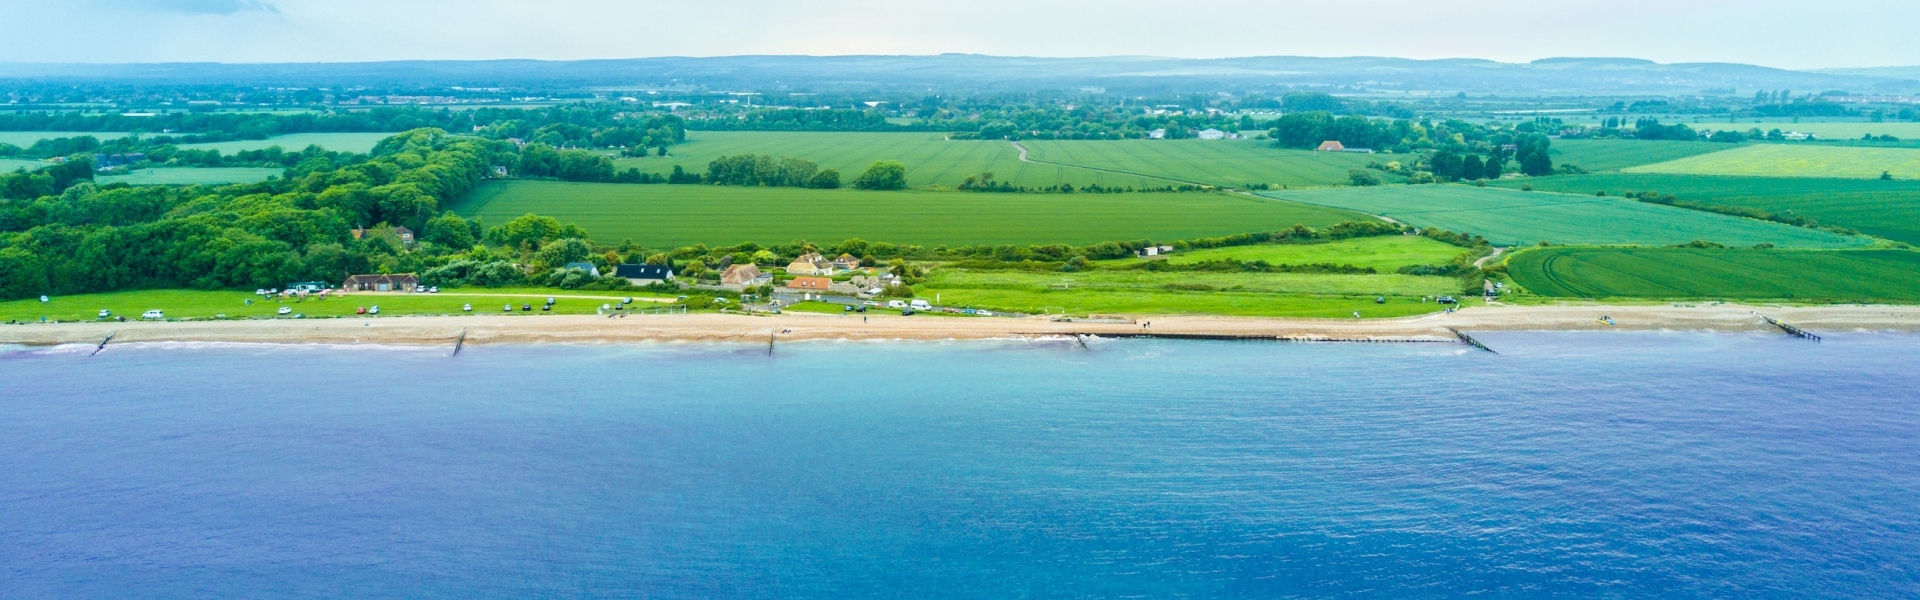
x=793 y=326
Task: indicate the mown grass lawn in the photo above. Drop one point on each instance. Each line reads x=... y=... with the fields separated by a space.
x=1384 y=254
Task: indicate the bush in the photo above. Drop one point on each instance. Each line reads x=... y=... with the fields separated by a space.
x=883 y=175
x=1362 y=177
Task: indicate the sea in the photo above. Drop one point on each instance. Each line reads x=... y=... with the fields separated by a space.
x=1583 y=465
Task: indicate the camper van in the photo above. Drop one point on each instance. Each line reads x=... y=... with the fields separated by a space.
x=896 y=304
x=153 y=314
x=921 y=305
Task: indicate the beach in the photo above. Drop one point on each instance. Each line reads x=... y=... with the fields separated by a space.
x=429 y=330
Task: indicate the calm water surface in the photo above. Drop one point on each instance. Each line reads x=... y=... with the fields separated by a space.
x=1578 y=465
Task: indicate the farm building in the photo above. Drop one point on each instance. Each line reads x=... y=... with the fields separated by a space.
x=741 y=275
x=381 y=283
x=585 y=266
x=810 y=263
x=1211 y=134
x=810 y=283
x=644 y=274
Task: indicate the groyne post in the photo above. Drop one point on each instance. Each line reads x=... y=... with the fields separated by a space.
x=1791 y=330
x=459 y=342
x=103 y=343
x=1469 y=340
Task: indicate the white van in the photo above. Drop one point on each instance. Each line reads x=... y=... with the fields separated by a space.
x=921 y=305
x=896 y=304
x=153 y=314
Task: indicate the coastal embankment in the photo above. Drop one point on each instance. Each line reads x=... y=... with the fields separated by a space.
x=793 y=326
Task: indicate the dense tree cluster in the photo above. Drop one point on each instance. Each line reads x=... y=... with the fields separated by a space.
x=756 y=170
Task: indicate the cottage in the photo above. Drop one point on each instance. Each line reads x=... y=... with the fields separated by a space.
x=846 y=262
x=746 y=274
x=810 y=263
x=817 y=284
x=644 y=274
x=585 y=266
x=381 y=283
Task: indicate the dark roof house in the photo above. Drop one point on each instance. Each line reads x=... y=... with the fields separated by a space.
x=382 y=283
x=644 y=274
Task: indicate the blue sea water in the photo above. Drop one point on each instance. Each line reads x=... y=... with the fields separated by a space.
x=1579 y=465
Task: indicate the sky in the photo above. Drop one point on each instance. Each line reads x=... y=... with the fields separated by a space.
x=1796 y=34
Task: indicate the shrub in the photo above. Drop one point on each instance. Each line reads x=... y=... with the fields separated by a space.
x=883 y=175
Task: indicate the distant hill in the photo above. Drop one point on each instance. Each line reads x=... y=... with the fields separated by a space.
x=977 y=72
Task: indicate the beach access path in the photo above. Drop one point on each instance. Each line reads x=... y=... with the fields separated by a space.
x=485 y=329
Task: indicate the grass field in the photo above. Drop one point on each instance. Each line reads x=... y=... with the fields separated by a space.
x=192 y=176
x=1142 y=292
x=196 y=304
x=338 y=142
x=1213 y=162
x=673 y=215
x=930 y=158
x=1511 y=217
x=27 y=138
x=1383 y=254
x=1614 y=155
x=1784 y=160
x=1863 y=275
x=1889 y=209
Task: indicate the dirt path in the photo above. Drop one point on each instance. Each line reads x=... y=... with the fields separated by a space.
x=1497 y=251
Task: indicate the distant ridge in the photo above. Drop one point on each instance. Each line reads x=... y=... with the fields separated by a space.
x=1560 y=75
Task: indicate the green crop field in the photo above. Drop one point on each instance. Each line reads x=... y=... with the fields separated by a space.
x=1889 y=209
x=192 y=176
x=1383 y=254
x=27 y=138
x=672 y=215
x=1614 y=155
x=1144 y=292
x=1213 y=162
x=198 y=304
x=339 y=142
x=1796 y=160
x=9 y=165
x=1859 y=275
x=1510 y=217
x=1825 y=131
x=931 y=159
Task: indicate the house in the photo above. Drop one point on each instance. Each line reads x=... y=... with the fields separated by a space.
x=816 y=284
x=406 y=235
x=1153 y=251
x=1331 y=146
x=381 y=283
x=747 y=274
x=644 y=274
x=585 y=266
x=846 y=262
x=810 y=263
x=1211 y=134
x=1157 y=134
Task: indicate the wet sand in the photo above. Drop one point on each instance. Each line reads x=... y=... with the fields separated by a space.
x=797 y=326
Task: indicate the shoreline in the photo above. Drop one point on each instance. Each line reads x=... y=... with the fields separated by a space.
x=1437 y=327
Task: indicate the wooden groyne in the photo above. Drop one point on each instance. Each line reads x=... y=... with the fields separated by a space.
x=103 y=343
x=1791 y=330
x=459 y=342
x=1469 y=340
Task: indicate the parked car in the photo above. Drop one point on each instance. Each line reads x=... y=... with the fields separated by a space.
x=846 y=308
x=526 y=308
x=286 y=310
x=433 y=290
x=360 y=311
x=373 y=310
x=906 y=313
x=508 y=308
x=966 y=311
x=896 y=304
x=1379 y=299
x=871 y=303
x=153 y=314
x=983 y=313
x=466 y=307
x=920 y=305
x=104 y=313
x=1448 y=300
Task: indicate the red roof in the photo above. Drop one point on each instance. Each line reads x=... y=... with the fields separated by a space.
x=810 y=283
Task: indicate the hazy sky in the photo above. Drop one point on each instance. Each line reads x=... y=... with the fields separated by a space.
x=1782 y=33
